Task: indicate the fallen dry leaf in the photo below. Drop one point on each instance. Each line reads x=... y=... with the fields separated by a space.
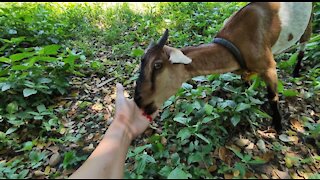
x=236 y=173
x=242 y=142
x=47 y=170
x=228 y=176
x=54 y=159
x=297 y=125
x=213 y=168
x=281 y=174
x=267 y=134
x=286 y=138
x=38 y=173
x=97 y=107
x=250 y=146
x=225 y=155
x=263 y=176
x=261 y=145
x=268 y=156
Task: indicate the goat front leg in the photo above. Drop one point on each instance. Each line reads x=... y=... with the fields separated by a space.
x=271 y=79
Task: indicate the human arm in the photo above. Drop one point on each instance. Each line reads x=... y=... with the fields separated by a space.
x=107 y=160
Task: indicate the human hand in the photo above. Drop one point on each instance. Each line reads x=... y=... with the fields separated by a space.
x=130 y=115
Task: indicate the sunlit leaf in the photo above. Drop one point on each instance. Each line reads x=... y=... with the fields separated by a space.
x=28 y=92
x=178 y=173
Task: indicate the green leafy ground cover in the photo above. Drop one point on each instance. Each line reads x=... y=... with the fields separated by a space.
x=59 y=63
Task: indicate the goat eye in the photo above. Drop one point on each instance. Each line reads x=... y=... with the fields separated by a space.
x=157 y=65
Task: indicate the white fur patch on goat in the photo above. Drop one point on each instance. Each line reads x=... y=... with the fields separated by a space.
x=294 y=18
x=176 y=56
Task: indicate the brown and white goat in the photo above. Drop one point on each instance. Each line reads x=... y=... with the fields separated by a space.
x=259 y=30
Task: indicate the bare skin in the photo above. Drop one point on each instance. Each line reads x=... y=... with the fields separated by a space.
x=107 y=160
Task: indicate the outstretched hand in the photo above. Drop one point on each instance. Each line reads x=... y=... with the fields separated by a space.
x=129 y=114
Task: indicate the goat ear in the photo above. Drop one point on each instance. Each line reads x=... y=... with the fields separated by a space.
x=176 y=56
x=152 y=43
x=162 y=41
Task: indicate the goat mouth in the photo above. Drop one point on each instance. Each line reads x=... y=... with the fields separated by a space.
x=150 y=108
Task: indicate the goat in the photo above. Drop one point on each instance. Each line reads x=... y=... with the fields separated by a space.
x=246 y=44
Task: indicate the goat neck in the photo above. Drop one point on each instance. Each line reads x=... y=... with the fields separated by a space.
x=209 y=59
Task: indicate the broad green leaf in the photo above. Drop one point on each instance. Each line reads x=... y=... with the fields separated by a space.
x=144 y=159
x=227 y=103
x=261 y=114
x=27 y=146
x=41 y=108
x=235 y=119
x=5 y=60
x=68 y=157
x=22 y=174
x=20 y=56
x=167 y=103
x=11 y=130
x=242 y=106
x=139 y=149
x=196 y=105
x=203 y=138
x=184 y=133
x=236 y=152
x=32 y=60
x=4 y=72
x=293 y=59
x=241 y=168
x=165 y=171
x=289 y=63
x=165 y=114
x=83 y=57
x=178 y=173
x=255 y=83
x=70 y=60
x=5 y=86
x=186 y=86
x=28 y=92
x=290 y=93
x=18 y=39
x=179 y=118
x=50 y=50
x=182 y=120
x=95 y=65
x=12 y=107
x=208 y=119
x=137 y=52
x=140 y=166
x=280 y=86
x=2 y=136
x=44 y=80
x=19 y=67
x=208 y=108
x=38 y=117
x=200 y=79
x=195 y=157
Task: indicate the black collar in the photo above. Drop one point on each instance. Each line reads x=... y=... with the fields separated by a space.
x=233 y=49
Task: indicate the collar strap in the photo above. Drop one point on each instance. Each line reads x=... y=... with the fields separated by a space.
x=233 y=49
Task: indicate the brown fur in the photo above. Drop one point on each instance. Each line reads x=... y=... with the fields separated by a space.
x=261 y=20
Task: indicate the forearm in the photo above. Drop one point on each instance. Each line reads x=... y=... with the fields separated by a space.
x=107 y=160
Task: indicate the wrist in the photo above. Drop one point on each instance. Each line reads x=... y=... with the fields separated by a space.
x=121 y=126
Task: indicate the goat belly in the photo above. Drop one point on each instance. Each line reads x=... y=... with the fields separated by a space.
x=294 y=18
